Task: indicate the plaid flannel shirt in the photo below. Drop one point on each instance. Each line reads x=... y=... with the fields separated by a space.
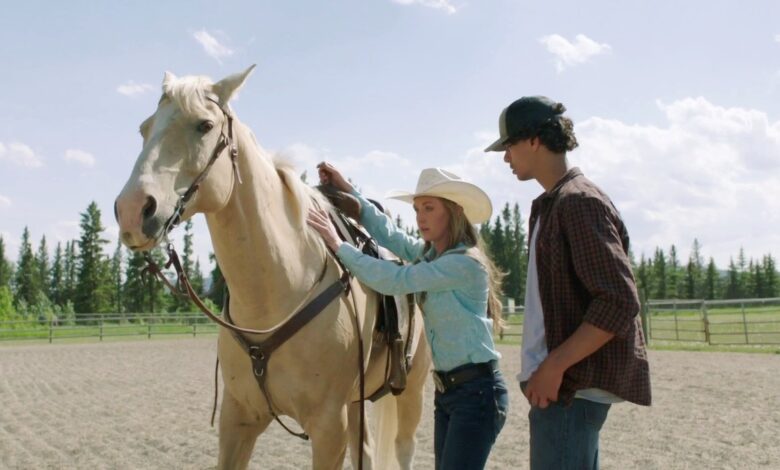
x=585 y=275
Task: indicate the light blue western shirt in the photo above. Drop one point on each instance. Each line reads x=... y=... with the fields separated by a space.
x=456 y=285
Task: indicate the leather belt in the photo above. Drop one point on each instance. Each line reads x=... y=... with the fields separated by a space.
x=448 y=380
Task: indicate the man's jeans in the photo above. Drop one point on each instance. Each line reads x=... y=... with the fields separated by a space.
x=566 y=437
x=468 y=419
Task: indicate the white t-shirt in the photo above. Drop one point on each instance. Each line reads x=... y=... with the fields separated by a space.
x=534 y=349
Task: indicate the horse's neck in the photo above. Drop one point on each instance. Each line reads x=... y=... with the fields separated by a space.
x=262 y=247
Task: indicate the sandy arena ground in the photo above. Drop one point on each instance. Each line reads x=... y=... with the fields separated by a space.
x=147 y=404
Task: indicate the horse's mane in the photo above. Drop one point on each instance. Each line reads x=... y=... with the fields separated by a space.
x=189 y=93
x=306 y=196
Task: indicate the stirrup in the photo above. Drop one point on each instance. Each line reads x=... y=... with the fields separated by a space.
x=397 y=375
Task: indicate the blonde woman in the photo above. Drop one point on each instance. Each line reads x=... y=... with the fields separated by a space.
x=457 y=288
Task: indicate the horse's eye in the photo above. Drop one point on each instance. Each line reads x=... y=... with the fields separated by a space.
x=205 y=126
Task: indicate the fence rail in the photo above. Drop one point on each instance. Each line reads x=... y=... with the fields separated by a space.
x=109 y=325
x=721 y=322
x=715 y=322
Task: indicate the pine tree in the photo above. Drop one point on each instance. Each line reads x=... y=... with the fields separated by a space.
x=711 y=281
x=56 y=284
x=770 y=276
x=659 y=274
x=693 y=273
x=26 y=289
x=520 y=253
x=43 y=268
x=69 y=273
x=93 y=285
x=217 y=291
x=643 y=278
x=511 y=256
x=745 y=276
x=116 y=278
x=158 y=295
x=197 y=279
x=182 y=303
x=134 y=289
x=733 y=290
x=6 y=268
x=747 y=279
x=759 y=287
x=673 y=274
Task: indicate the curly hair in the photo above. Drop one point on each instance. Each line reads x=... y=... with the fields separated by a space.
x=557 y=134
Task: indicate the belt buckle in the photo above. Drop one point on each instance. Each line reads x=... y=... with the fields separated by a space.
x=439 y=384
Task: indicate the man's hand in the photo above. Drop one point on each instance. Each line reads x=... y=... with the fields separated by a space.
x=543 y=386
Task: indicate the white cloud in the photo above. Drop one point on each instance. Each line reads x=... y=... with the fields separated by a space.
x=445 y=5
x=777 y=37
x=211 y=45
x=710 y=173
x=4 y=201
x=306 y=158
x=80 y=157
x=130 y=88
x=707 y=172
x=20 y=154
x=569 y=54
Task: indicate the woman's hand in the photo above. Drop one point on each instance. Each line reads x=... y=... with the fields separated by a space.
x=318 y=220
x=330 y=175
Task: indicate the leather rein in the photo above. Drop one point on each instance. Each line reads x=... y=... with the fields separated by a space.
x=259 y=351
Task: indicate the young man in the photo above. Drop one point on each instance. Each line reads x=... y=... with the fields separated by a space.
x=583 y=346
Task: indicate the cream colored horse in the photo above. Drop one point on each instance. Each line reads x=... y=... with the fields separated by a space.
x=272 y=262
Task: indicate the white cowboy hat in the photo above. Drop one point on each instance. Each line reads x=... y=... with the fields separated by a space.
x=441 y=183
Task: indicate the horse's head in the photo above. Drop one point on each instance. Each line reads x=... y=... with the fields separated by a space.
x=185 y=165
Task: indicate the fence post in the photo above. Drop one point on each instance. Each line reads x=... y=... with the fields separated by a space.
x=194 y=329
x=510 y=310
x=676 y=329
x=101 y=328
x=644 y=312
x=148 y=331
x=744 y=324
x=51 y=329
x=706 y=322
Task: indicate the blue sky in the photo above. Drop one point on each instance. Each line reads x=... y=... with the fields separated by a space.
x=676 y=104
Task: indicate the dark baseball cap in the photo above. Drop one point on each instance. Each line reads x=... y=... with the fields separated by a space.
x=527 y=113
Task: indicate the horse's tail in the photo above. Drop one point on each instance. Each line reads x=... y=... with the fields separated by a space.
x=386 y=414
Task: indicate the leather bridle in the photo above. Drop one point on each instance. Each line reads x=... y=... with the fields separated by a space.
x=259 y=351
x=225 y=141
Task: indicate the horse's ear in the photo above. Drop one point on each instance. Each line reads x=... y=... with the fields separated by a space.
x=167 y=79
x=228 y=86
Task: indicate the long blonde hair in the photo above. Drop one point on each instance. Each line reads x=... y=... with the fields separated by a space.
x=460 y=230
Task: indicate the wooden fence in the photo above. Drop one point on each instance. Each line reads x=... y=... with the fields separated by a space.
x=718 y=322
x=108 y=325
x=715 y=322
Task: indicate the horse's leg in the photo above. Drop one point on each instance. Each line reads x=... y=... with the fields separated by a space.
x=238 y=431
x=328 y=431
x=354 y=438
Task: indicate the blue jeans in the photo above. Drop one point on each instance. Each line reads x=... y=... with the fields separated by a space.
x=566 y=437
x=467 y=420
